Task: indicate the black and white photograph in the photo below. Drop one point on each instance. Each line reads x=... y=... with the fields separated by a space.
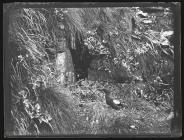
x=92 y=69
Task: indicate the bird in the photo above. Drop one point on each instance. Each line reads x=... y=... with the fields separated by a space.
x=114 y=103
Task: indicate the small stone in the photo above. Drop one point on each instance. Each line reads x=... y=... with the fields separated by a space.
x=132 y=126
x=170 y=116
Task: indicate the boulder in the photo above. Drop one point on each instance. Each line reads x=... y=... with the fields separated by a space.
x=64 y=67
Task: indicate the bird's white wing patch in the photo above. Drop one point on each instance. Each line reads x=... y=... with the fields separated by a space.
x=116 y=102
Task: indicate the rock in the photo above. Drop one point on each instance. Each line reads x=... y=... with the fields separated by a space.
x=64 y=67
x=132 y=126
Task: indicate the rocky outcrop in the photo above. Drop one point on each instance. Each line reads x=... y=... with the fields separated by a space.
x=64 y=66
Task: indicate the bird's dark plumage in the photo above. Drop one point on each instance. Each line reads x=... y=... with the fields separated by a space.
x=115 y=104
